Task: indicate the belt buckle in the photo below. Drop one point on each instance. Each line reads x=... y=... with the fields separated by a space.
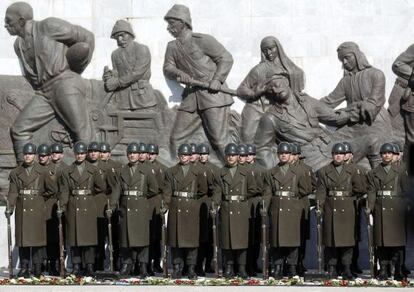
x=339 y=193
x=386 y=193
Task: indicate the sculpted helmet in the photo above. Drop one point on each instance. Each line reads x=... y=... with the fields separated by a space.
x=80 y=148
x=142 y=148
x=122 y=26
x=180 y=12
x=348 y=147
x=242 y=149
x=339 y=148
x=387 y=147
x=132 y=148
x=43 y=150
x=251 y=149
x=152 y=148
x=29 y=148
x=56 y=148
x=104 y=147
x=284 y=147
x=184 y=149
x=203 y=149
x=231 y=149
x=94 y=146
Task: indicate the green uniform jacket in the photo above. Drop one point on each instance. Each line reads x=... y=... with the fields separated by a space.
x=184 y=213
x=339 y=211
x=81 y=210
x=389 y=211
x=158 y=170
x=234 y=215
x=30 y=213
x=54 y=171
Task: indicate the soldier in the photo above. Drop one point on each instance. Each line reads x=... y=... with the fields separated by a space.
x=78 y=186
x=194 y=154
x=242 y=149
x=387 y=191
x=233 y=188
x=136 y=185
x=158 y=170
x=194 y=57
x=337 y=188
x=30 y=186
x=185 y=184
x=131 y=72
x=285 y=186
x=205 y=251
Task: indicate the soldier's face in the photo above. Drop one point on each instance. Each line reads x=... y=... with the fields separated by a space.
x=80 y=157
x=56 y=157
x=142 y=157
x=395 y=157
x=194 y=157
x=293 y=158
x=175 y=27
x=133 y=157
x=349 y=62
x=43 y=159
x=270 y=51
x=284 y=157
x=250 y=158
x=338 y=158
x=232 y=160
x=184 y=158
x=152 y=156
x=387 y=157
x=123 y=39
x=104 y=155
x=13 y=23
x=203 y=158
x=28 y=158
x=348 y=156
x=242 y=159
x=93 y=155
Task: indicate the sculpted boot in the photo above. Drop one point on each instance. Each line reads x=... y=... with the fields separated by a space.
x=191 y=272
x=143 y=273
x=37 y=270
x=176 y=274
x=125 y=269
x=347 y=274
x=277 y=272
x=24 y=270
x=228 y=272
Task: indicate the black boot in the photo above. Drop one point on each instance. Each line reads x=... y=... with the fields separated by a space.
x=346 y=273
x=52 y=269
x=277 y=272
x=150 y=271
x=291 y=271
x=398 y=275
x=242 y=272
x=332 y=272
x=176 y=274
x=24 y=270
x=126 y=269
x=191 y=272
x=143 y=273
x=157 y=267
x=383 y=273
x=90 y=271
x=228 y=272
x=76 y=270
x=37 y=270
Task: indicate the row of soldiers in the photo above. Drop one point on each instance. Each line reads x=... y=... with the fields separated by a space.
x=192 y=194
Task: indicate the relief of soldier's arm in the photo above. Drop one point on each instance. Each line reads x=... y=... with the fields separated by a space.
x=251 y=88
x=402 y=65
x=264 y=141
x=170 y=67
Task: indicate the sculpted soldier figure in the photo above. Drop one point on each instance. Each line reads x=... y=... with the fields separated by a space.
x=285 y=185
x=337 y=188
x=131 y=72
x=363 y=88
x=30 y=186
x=197 y=57
x=51 y=53
x=387 y=191
x=185 y=184
x=136 y=185
x=295 y=117
x=78 y=186
x=234 y=186
x=253 y=88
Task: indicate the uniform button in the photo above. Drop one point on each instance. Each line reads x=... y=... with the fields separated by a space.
x=237 y=190
x=231 y=191
x=186 y=200
x=334 y=210
x=179 y=211
x=288 y=210
x=334 y=199
x=129 y=199
x=129 y=209
x=77 y=209
x=238 y=212
x=135 y=188
x=288 y=199
x=24 y=199
x=32 y=210
x=343 y=210
x=288 y=187
x=231 y=212
x=136 y=210
x=186 y=211
x=24 y=210
x=342 y=199
x=179 y=200
x=280 y=209
x=84 y=198
x=383 y=208
x=281 y=188
x=77 y=198
x=31 y=199
x=85 y=210
x=391 y=187
x=392 y=209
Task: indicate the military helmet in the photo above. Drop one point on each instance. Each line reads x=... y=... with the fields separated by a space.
x=122 y=26
x=203 y=149
x=348 y=147
x=132 y=148
x=29 y=148
x=93 y=146
x=338 y=148
x=142 y=148
x=387 y=147
x=397 y=149
x=152 y=148
x=242 y=149
x=193 y=148
x=295 y=148
x=43 y=150
x=231 y=149
x=184 y=149
x=80 y=148
x=251 y=149
x=104 y=147
x=56 y=148
x=284 y=147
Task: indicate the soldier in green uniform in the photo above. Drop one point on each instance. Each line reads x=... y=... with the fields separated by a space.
x=387 y=201
x=136 y=185
x=233 y=188
x=185 y=184
x=78 y=186
x=30 y=186
x=338 y=186
x=285 y=186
